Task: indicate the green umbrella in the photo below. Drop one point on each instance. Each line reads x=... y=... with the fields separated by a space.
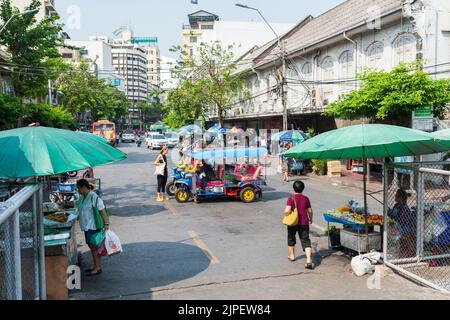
x=368 y=141
x=289 y=136
x=158 y=127
x=93 y=136
x=41 y=151
x=442 y=134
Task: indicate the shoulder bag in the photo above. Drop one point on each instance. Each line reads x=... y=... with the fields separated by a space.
x=291 y=220
x=159 y=170
x=99 y=222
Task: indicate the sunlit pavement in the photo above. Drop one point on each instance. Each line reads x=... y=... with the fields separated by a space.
x=221 y=249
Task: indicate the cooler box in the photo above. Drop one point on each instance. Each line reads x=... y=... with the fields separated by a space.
x=353 y=240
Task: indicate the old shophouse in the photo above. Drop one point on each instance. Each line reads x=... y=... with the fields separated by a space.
x=323 y=55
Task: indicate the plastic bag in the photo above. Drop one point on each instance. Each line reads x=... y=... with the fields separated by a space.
x=97 y=239
x=364 y=263
x=112 y=243
x=102 y=250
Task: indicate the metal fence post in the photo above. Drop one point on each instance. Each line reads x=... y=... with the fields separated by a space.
x=12 y=235
x=385 y=211
x=40 y=224
x=420 y=216
x=35 y=247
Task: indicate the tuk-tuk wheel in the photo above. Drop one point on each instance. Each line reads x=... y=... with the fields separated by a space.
x=171 y=188
x=247 y=195
x=182 y=196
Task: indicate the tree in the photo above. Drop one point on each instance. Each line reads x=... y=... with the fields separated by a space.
x=82 y=92
x=214 y=68
x=33 y=46
x=49 y=116
x=392 y=95
x=10 y=111
x=185 y=104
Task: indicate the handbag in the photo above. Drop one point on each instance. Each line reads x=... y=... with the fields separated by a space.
x=98 y=219
x=291 y=219
x=159 y=170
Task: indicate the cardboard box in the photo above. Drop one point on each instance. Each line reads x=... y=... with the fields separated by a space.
x=56 y=277
x=334 y=168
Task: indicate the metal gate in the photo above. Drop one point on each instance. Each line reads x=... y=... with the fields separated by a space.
x=22 y=254
x=417 y=222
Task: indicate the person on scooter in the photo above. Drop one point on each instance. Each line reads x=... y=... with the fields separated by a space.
x=206 y=174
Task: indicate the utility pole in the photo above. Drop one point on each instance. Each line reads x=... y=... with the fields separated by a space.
x=50 y=93
x=283 y=86
x=281 y=45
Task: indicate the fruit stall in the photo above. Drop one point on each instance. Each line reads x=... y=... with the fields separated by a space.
x=353 y=220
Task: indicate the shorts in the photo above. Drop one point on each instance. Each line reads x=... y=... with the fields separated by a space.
x=303 y=233
x=89 y=234
x=285 y=167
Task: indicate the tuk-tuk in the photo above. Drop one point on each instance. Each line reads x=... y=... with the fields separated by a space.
x=240 y=181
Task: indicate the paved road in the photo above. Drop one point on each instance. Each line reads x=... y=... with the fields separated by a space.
x=218 y=249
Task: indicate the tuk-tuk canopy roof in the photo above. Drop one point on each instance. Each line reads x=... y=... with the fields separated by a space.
x=228 y=153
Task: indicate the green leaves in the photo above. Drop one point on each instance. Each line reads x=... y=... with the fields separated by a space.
x=392 y=94
x=82 y=92
x=49 y=116
x=210 y=81
x=33 y=46
x=10 y=111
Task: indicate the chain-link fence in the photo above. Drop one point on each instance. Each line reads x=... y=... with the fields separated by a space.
x=22 y=253
x=417 y=221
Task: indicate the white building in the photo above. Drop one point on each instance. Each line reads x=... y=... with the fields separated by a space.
x=325 y=53
x=169 y=73
x=98 y=52
x=48 y=8
x=208 y=28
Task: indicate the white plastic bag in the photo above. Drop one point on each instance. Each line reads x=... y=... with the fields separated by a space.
x=362 y=264
x=112 y=243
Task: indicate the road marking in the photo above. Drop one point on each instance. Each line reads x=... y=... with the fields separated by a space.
x=203 y=246
x=171 y=208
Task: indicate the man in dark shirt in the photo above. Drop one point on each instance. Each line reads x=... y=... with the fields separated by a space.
x=206 y=174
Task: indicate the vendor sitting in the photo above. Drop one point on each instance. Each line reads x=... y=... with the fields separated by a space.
x=206 y=174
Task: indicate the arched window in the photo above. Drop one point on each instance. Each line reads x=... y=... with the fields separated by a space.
x=328 y=68
x=404 y=48
x=346 y=70
x=307 y=70
x=375 y=55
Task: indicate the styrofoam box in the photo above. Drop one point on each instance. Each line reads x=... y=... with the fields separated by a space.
x=352 y=240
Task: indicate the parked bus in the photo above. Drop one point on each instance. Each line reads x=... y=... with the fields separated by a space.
x=105 y=129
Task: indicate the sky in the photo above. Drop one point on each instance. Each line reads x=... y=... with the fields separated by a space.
x=164 y=18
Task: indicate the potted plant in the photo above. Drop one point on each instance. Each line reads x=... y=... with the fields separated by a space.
x=335 y=236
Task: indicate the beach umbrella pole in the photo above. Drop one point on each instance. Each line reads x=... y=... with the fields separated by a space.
x=365 y=196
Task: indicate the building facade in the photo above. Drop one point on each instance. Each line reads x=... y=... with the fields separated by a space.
x=98 y=53
x=154 y=67
x=48 y=8
x=324 y=54
x=205 y=27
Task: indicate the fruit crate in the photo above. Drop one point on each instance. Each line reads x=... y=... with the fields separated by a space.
x=355 y=241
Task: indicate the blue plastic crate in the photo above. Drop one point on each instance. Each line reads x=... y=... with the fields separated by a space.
x=66 y=187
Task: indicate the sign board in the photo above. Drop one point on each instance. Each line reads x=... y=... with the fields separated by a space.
x=423 y=118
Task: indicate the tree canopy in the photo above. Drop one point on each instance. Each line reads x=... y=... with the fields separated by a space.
x=392 y=94
x=209 y=81
x=33 y=47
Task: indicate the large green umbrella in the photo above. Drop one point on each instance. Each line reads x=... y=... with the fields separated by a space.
x=368 y=141
x=41 y=151
x=442 y=134
x=93 y=136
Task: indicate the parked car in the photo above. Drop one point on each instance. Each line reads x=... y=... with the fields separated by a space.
x=172 y=139
x=128 y=137
x=156 y=141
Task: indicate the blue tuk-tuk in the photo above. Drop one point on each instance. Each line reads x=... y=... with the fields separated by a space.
x=242 y=181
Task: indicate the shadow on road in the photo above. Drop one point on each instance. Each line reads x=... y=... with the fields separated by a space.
x=271 y=196
x=136 y=210
x=140 y=268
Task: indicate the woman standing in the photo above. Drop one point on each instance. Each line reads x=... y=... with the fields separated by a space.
x=162 y=175
x=89 y=201
x=305 y=218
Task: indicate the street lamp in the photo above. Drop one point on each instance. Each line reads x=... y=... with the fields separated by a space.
x=283 y=61
x=17 y=15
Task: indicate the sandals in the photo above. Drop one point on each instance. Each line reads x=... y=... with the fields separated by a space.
x=291 y=260
x=309 y=266
x=91 y=274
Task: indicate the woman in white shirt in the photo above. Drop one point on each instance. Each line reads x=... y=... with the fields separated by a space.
x=85 y=205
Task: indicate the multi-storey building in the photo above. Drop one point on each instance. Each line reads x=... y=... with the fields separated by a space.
x=324 y=55
x=208 y=28
x=98 y=53
x=154 y=66
x=48 y=8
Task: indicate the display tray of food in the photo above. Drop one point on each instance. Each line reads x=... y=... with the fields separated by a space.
x=60 y=219
x=50 y=207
